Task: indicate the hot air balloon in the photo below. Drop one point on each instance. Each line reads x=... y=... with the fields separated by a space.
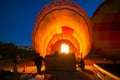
x=62 y=24
x=106 y=29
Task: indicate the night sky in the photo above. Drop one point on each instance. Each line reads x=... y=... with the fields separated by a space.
x=17 y=18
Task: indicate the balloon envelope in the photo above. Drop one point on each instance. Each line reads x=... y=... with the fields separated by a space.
x=62 y=22
x=106 y=29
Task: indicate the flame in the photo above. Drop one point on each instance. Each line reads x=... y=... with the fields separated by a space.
x=64 y=48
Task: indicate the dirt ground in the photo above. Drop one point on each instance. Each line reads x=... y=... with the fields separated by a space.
x=28 y=69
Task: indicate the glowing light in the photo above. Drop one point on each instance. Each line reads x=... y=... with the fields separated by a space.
x=64 y=48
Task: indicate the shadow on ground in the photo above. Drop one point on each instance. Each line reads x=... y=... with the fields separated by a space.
x=49 y=75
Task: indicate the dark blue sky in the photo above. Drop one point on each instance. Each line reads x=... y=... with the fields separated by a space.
x=17 y=18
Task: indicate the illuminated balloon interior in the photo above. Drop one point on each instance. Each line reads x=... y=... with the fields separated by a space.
x=63 y=27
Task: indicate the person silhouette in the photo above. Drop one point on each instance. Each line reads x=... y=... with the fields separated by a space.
x=16 y=62
x=82 y=63
x=38 y=62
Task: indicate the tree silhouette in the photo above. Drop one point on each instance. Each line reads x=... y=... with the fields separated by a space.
x=7 y=50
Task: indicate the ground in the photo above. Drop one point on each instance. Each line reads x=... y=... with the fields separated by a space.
x=28 y=69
